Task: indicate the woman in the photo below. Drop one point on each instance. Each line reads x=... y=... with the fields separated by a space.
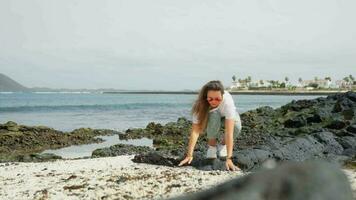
x=214 y=110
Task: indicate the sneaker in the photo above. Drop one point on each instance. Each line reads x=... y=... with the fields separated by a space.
x=211 y=152
x=222 y=152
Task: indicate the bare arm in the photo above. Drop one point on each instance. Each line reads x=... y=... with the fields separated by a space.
x=194 y=135
x=229 y=141
x=229 y=131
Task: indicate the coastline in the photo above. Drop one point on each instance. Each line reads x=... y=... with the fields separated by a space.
x=110 y=178
x=239 y=92
x=242 y=92
x=318 y=128
x=103 y=178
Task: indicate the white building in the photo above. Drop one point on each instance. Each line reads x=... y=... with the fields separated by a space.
x=243 y=84
x=235 y=84
x=343 y=84
x=322 y=83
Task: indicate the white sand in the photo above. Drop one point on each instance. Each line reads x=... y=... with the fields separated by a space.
x=103 y=178
x=108 y=178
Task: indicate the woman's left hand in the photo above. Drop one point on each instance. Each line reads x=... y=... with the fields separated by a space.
x=230 y=165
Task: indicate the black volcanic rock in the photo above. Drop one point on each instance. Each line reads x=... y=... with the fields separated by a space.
x=155 y=158
x=296 y=122
x=119 y=149
x=337 y=124
x=23 y=143
x=352 y=128
x=294 y=181
x=301 y=130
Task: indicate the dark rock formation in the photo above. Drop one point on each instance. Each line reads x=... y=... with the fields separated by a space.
x=300 y=130
x=321 y=128
x=21 y=143
x=352 y=128
x=119 y=149
x=294 y=181
x=37 y=157
x=157 y=158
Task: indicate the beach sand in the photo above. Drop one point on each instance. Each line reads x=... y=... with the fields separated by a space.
x=108 y=178
x=103 y=178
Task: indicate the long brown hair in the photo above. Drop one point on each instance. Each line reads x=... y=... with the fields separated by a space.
x=201 y=106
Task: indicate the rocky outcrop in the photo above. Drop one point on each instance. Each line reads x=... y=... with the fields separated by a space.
x=119 y=149
x=308 y=181
x=22 y=143
x=156 y=158
x=321 y=128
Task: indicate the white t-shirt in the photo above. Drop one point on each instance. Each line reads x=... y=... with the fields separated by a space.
x=226 y=108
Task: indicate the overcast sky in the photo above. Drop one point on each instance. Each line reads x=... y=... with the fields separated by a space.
x=174 y=44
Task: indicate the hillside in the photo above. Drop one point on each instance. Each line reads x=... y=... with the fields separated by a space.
x=9 y=85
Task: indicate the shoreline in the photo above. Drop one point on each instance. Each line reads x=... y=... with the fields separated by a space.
x=243 y=92
x=240 y=92
x=110 y=178
x=327 y=133
x=103 y=178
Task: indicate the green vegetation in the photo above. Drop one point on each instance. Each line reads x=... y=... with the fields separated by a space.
x=348 y=83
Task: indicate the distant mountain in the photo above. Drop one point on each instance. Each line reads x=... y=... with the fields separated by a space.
x=45 y=89
x=9 y=85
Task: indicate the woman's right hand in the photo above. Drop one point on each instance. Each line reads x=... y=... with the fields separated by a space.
x=187 y=159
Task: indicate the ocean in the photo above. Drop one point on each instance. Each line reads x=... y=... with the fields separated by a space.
x=68 y=111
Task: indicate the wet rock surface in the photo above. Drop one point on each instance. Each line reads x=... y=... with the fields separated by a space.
x=118 y=150
x=321 y=128
x=156 y=158
x=24 y=143
x=307 y=180
x=324 y=130
x=298 y=131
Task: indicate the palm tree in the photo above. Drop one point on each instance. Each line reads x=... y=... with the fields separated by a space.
x=300 y=81
x=353 y=82
x=262 y=82
x=349 y=80
x=286 y=79
x=249 y=78
x=271 y=82
x=328 y=78
x=316 y=79
x=346 y=79
x=234 y=78
x=274 y=83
